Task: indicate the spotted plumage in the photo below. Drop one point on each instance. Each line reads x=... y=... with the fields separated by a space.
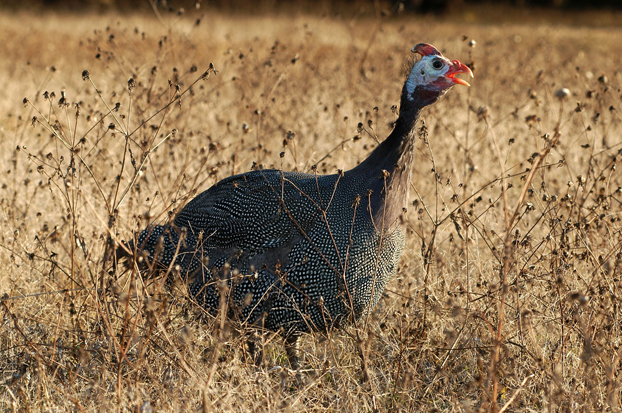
x=303 y=252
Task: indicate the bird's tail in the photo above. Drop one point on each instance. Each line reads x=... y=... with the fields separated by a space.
x=158 y=246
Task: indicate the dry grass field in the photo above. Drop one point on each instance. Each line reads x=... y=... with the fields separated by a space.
x=508 y=295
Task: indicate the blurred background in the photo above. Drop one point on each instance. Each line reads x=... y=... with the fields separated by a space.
x=321 y=7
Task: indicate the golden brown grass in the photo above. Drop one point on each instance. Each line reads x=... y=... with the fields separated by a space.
x=490 y=310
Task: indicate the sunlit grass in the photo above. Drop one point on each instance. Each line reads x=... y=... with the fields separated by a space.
x=90 y=158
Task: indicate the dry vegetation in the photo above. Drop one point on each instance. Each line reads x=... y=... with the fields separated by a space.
x=508 y=293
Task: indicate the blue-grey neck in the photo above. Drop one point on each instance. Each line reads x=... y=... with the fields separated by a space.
x=395 y=155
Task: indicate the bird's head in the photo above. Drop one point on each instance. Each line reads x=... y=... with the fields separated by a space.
x=433 y=74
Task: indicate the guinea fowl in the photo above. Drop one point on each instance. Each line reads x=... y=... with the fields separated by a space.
x=303 y=252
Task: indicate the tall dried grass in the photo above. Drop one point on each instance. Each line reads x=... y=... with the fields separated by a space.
x=507 y=293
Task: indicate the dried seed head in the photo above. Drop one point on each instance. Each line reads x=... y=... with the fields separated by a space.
x=63 y=99
x=562 y=93
x=85 y=75
x=483 y=112
x=357 y=200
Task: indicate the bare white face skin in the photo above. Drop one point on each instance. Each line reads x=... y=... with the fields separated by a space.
x=432 y=72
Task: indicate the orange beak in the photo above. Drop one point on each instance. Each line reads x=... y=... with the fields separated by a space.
x=457 y=68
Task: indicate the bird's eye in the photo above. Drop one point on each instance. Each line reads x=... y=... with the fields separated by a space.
x=437 y=64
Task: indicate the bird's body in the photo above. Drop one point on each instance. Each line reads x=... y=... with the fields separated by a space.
x=303 y=252
x=305 y=241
